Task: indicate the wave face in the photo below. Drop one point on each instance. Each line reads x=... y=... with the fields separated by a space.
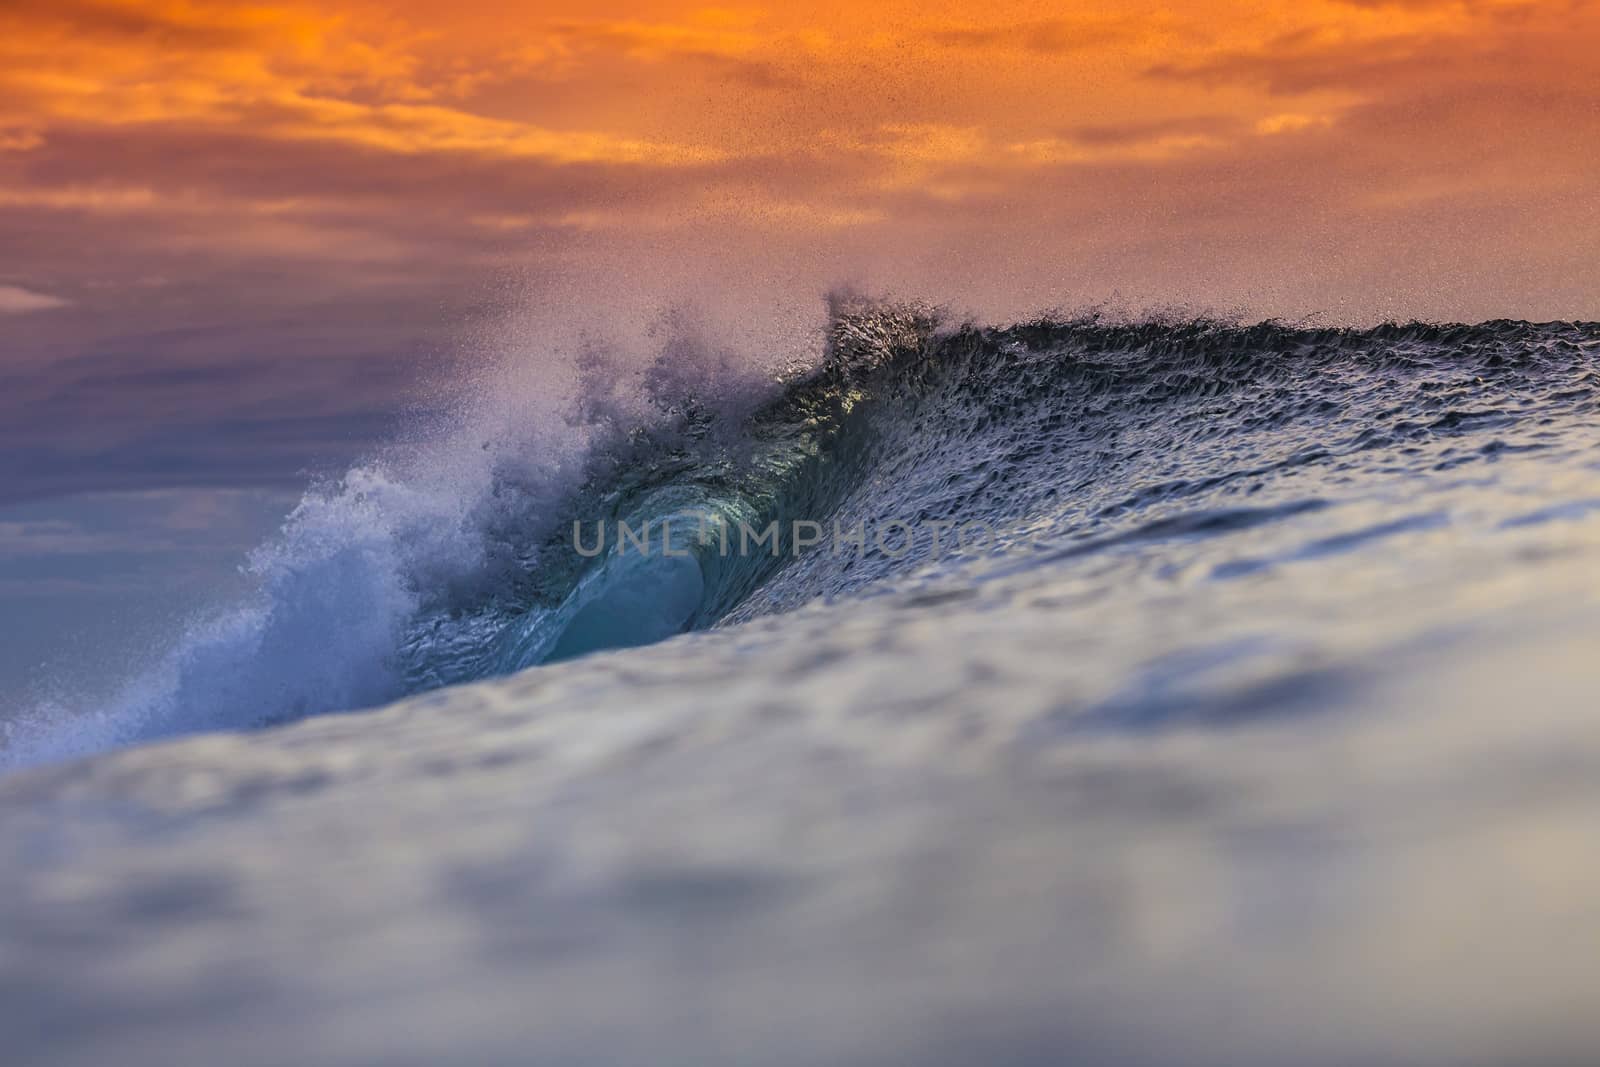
x=1253 y=723
x=1046 y=440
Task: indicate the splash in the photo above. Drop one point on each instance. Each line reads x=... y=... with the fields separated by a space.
x=381 y=578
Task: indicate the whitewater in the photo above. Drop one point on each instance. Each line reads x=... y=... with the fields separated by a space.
x=1257 y=727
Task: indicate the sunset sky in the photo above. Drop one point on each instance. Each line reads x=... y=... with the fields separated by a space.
x=231 y=234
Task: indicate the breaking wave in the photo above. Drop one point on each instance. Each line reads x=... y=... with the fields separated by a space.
x=454 y=559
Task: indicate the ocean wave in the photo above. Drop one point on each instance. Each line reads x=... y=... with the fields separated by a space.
x=453 y=559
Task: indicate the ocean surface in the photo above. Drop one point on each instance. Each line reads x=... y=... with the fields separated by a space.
x=1133 y=692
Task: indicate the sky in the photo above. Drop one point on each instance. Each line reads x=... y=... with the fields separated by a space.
x=241 y=242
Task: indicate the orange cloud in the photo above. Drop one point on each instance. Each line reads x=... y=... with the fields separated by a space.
x=269 y=72
x=483 y=130
x=1057 y=36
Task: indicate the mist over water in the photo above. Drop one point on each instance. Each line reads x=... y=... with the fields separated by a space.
x=446 y=519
